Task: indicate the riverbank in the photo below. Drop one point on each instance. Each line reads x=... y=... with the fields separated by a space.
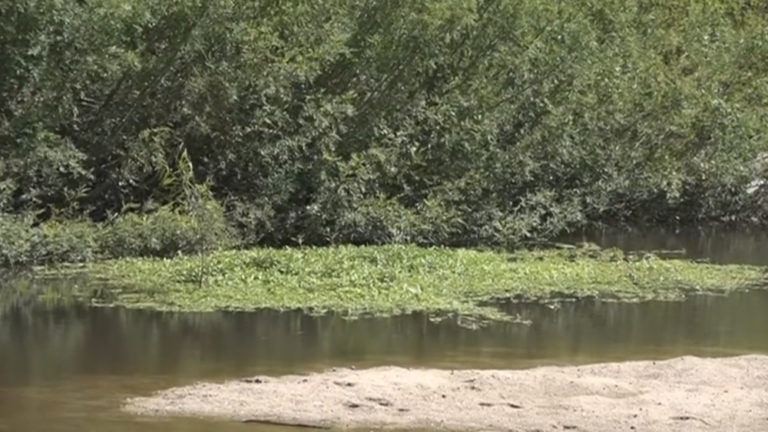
x=392 y=280
x=683 y=394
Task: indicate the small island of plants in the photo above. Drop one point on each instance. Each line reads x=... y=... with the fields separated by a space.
x=396 y=279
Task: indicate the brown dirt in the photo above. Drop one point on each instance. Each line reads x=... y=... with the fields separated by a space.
x=683 y=394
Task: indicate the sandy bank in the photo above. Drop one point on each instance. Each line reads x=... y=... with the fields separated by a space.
x=683 y=394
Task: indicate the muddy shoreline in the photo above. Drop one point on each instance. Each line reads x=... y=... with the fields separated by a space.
x=682 y=394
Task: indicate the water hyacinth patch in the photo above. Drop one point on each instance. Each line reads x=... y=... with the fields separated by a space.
x=397 y=279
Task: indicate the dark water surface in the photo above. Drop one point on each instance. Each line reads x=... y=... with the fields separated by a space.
x=69 y=368
x=712 y=244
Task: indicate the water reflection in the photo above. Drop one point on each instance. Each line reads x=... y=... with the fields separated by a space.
x=716 y=245
x=46 y=346
x=77 y=363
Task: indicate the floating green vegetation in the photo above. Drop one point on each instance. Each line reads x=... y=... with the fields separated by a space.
x=389 y=280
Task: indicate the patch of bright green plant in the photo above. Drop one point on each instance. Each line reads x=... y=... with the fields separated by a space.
x=397 y=279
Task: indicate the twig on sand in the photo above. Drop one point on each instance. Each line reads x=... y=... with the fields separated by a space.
x=286 y=424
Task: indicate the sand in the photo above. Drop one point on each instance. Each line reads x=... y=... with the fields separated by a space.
x=682 y=394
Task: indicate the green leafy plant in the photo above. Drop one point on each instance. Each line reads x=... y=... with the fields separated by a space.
x=442 y=122
x=397 y=279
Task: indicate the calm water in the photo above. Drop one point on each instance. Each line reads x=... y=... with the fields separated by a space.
x=717 y=246
x=69 y=368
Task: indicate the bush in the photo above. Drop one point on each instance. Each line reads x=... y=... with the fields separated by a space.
x=65 y=242
x=16 y=239
x=364 y=121
x=166 y=233
x=23 y=244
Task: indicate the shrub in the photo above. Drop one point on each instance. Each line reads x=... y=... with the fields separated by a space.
x=23 y=244
x=438 y=122
x=65 y=241
x=165 y=233
x=16 y=239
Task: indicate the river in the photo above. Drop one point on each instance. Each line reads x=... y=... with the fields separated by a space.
x=68 y=367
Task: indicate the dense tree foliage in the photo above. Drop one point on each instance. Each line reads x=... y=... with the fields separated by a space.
x=451 y=122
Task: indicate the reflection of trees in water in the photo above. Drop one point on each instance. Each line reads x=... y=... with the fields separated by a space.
x=77 y=340
x=22 y=292
x=702 y=321
x=718 y=245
